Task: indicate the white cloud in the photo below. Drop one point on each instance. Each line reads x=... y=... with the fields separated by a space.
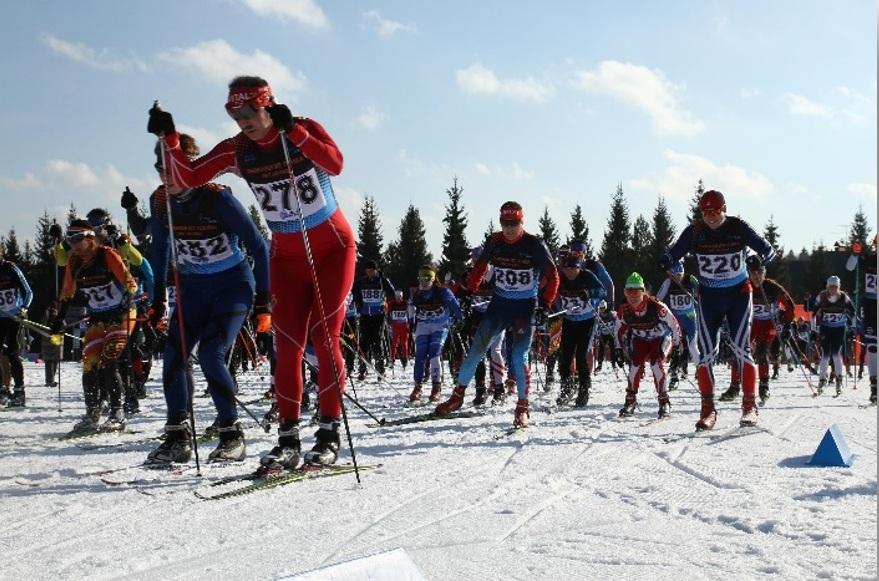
x=103 y=60
x=482 y=168
x=679 y=178
x=218 y=61
x=305 y=12
x=28 y=182
x=371 y=118
x=645 y=89
x=350 y=200
x=479 y=80
x=863 y=190
x=415 y=167
x=514 y=171
x=384 y=27
x=800 y=105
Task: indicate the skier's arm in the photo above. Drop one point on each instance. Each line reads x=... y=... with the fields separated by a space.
x=549 y=274
x=159 y=248
x=146 y=271
x=230 y=211
x=663 y=289
x=68 y=287
x=317 y=145
x=669 y=320
x=26 y=293
x=388 y=286
x=757 y=243
x=119 y=270
x=680 y=248
x=604 y=277
x=452 y=304
x=189 y=173
x=62 y=254
x=129 y=253
x=480 y=267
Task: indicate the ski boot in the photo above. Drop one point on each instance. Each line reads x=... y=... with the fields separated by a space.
x=89 y=423
x=455 y=401
x=177 y=446
x=17 y=399
x=231 y=447
x=731 y=393
x=131 y=405
x=764 y=391
x=774 y=372
x=415 y=396
x=115 y=421
x=838 y=386
x=284 y=456
x=628 y=408
x=664 y=406
x=325 y=451
x=749 y=411
x=435 y=391
x=566 y=393
x=271 y=415
x=5 y=396
x=480 y=398
x=673 y=382
x=212 y=431
x=707 y=415
x=822 y=382
x=873 y=390
x=499 y=395
x=520 y=419
x=582 y=396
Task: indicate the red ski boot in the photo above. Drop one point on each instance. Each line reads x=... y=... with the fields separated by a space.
x=453 y=403
x=521 y=418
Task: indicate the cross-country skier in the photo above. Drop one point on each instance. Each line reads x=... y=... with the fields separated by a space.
x=15 y=298
x=647 y=332
x=398 y=314
x=216 y=289
x=306 y=279
x=580 y=292
x=832 y=314
x=719 y=242
x=436 y=309
x=371 y=293
x=523 y=269
x=98 y=273
x=863 y=262
x=604 y=344
x=679 y=293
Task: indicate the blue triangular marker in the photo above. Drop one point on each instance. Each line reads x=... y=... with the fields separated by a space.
x=832 y=451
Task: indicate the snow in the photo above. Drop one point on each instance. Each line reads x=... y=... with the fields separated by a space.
x=581 y=495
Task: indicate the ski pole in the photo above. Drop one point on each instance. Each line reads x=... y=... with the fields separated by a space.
x=344 y=342
x=303 y=226
x=178 y=303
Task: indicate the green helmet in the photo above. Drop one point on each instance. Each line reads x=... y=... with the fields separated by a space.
x=635 y=280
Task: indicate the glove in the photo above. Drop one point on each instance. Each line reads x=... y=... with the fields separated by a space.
x=55 y=232
x=161 y=122
x=618 y=357
x=813 y=335
x=282 y=118
x=665 y=262
x=262 y=318
x=111 y=231
x=157 y=312
x=129 y=200
x=56 y=325
x=540 y=316
x=786 y=332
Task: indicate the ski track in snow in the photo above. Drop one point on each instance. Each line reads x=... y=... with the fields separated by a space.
x=579 y=495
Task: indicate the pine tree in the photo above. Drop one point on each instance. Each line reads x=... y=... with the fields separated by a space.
x=579 y=228
x=71 y=214
x=641 y=244
x=615 y=251
x=256 y=216
x=661 y=238
x=407 y=254
x=695 y=212
x=777 y=269
x=369 y=244
x=456 y=250
x=816 y=272
x=860 y=229
x=491 y=230
x=12 y=250
x=44 y=276
x=549 y=232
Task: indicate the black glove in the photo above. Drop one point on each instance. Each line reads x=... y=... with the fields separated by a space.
x=111 y=231
x=282 y=118
x=262 y=304
x=157 y=311
x=161 y=122
x=129 y=200
x=618 y=357
x=786 y=332
x=55 y=232
x=665 y=262
x=540 y=316
x=56 y=325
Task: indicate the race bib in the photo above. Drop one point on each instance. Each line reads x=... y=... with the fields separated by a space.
x=399 y=316
x=762 y=311
x=513 y=279
x=171 y=295
x=833 y=319
x=430 y=314
x=870 y=282
x=679 y=302
x=721 y=266
x=575 y=305
x=276 y=198
x=103 y=297
x=372 y=296
x=9 y=299
x=204 y=251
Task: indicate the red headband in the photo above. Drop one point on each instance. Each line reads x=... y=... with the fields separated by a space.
x=258 y=96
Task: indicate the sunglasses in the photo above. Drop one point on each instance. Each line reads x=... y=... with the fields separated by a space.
x=242 y=113
x=78 y=237
x=711 y=212
x=633 y=291
x=509 y=223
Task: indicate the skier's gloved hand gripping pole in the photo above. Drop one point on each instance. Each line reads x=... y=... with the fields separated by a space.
x=178 y=305
x=281 y=117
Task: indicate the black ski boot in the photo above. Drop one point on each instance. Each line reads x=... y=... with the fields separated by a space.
x=582 y=396
x=284 y=456
x=838 y=386
x=177 y=446
x=664 y=406
x=231 y=447
x=822 y=382
x=873 y=390
x=115 y=421
x=628 y=408
x=731 y=393
x=5 y=396
x=325 y=451
x=132 y=404
x=211 y=432
x=480 y=398
x=673 y=381
x=17 y=399
x=566 y=393
x=775 y=371
x=499 y=394
x=763 y=391
x=89 y=423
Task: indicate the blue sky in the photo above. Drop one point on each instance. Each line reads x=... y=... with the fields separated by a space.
x=551 y=104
